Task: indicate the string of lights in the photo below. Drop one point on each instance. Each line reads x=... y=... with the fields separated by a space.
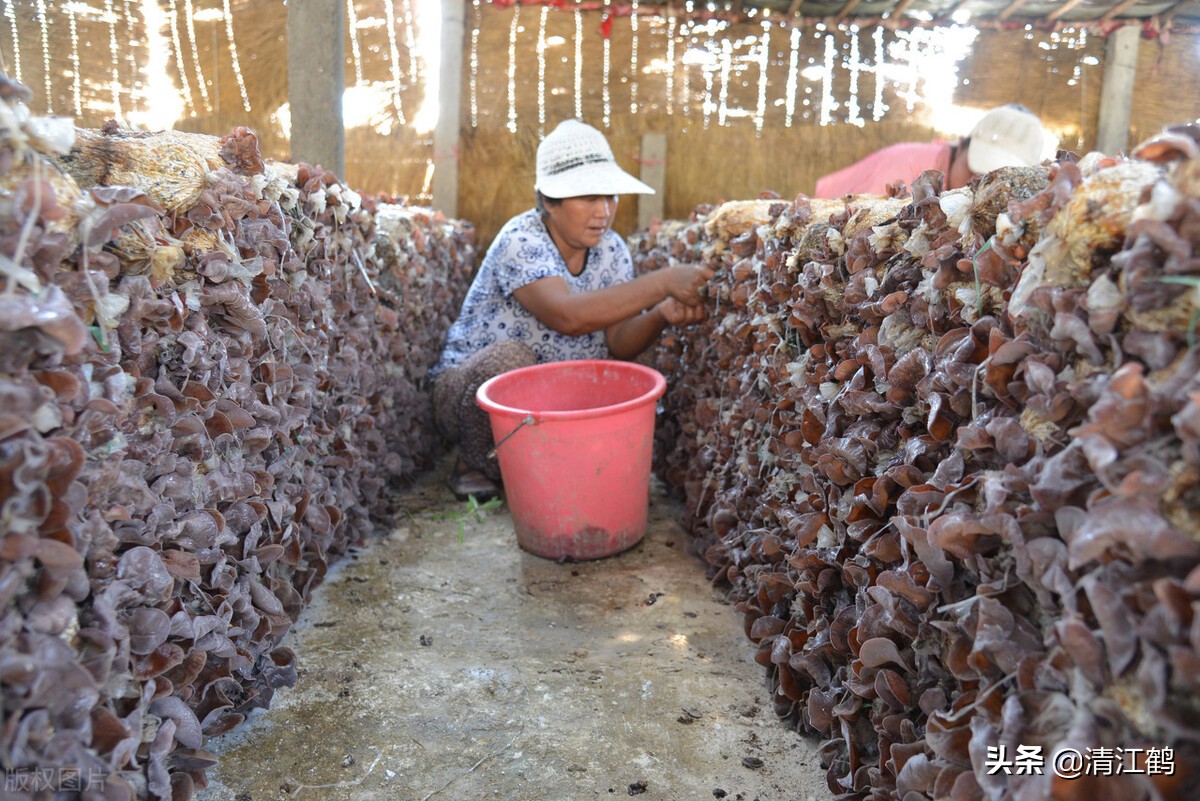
x=76 y=82
x=191 y=30
x=878 y=108
x=410 y=41
x=827 y=102
x=854 y=65
x=513 y=29
x=793 y=77
x=394 y=59
x=131 y=62
x=110 y=15
x=633 y=60
x=44 y=23
x=764 y=59
x=671 y=23
x=541 y=84
x=233 y=55
x=474 y=63
x=726 y=68
x=605 y=93
x=688 y=40
x=177 y=46
x=16 y=37
x=578 y=62
x=355 y=47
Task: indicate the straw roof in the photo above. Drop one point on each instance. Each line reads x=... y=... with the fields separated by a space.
x=983 y=13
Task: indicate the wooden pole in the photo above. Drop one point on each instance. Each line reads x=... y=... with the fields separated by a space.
x=653 y=173
x=1063 y=9
x=899 y=10
x=316 y=81
x=1118 y=9
x=1013 y=8
x=948 y=12
x=846 y=10
x=1116 y=96
x=446 y=134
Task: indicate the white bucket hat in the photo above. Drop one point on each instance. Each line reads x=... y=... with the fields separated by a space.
x=574 y=159
x=1005 y=137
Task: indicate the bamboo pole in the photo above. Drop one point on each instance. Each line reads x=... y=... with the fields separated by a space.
x=1011 y=9
x=1118 y=9
x=846 y=9
x=1063 y=9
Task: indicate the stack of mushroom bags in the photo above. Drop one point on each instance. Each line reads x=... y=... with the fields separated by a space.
x=945 y=451
x=211 y=368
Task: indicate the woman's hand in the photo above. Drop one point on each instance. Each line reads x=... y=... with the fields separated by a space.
x=683 y=282
x=630 y=337
x=677 y=313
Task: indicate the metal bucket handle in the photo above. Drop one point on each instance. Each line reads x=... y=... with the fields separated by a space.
x=529 y=420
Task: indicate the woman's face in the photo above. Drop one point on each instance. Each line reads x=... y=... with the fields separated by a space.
x=580 y=222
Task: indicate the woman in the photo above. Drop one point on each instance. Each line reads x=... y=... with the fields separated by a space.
x=1008 y=136
x=557 y=283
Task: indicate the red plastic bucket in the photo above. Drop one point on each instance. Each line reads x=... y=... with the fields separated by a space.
x=575 y=443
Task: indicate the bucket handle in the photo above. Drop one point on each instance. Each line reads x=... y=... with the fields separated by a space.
x=529 y=420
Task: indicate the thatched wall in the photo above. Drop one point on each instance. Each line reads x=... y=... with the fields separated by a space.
x=706 y=161
x=1166 y=91
x=393 y=164
x=707 y=164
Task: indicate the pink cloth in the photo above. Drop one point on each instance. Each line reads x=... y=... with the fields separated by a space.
x=900 y=162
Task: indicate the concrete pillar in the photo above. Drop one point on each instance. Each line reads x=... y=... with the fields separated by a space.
x=446 y=133
x=316 y=80
x=1116 y=96
x=653 y=173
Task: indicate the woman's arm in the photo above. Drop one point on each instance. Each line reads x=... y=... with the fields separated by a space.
x=630 y=337
x=577 y=313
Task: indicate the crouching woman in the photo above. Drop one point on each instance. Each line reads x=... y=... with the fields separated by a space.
x=556 y=284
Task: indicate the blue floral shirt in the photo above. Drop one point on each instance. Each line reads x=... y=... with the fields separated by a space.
x=522 y=253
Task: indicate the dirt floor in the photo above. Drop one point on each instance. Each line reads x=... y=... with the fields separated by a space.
x=442 y=661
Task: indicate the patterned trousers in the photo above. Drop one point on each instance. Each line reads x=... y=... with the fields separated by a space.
x=459 y=417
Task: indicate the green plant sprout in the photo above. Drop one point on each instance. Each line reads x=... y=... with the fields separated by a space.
x=477 y=510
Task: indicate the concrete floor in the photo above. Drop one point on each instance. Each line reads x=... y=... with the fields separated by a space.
x=441 y=661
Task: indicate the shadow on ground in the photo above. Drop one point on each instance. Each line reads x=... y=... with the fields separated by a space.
x=441 y=661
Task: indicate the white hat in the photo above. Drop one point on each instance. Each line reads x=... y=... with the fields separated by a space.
x=574 y=159
x=1005 y=137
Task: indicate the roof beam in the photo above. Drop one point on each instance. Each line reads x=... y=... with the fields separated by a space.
x=1118 y=9
x=949 y=12
x=899 y=10
x=794 y=8
x=1012 y=8
x=846 y=9
x=1063 y=9
x=1174 y=10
